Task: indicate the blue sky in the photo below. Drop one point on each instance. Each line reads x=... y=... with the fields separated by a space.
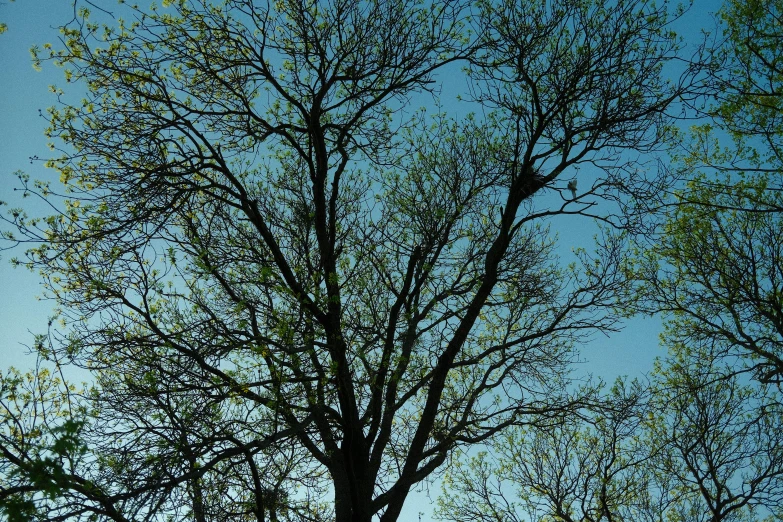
x=24 y=91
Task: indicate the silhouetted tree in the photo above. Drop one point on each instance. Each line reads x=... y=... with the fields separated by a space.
x=279 y=276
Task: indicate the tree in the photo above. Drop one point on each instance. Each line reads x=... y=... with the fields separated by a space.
x=595 y=467
x=716 y=270
x=747 y=74
x=40 y=439
x=745 y=78
x=720 y=437
x=696 y=445
x=278 y=277
x=711 y=440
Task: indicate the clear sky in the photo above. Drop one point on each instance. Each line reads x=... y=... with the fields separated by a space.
x=24 y=91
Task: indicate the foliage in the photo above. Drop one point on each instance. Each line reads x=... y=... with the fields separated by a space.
x=749 y=77
x=707 y=446
x=715 y=273
x=40 y=443
x=697 y=445
x=745 y=77
x=715 y=269
x=3 y=25
x=718 y=272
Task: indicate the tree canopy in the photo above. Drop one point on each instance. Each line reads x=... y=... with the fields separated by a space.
x=296 y=295
x=716 y=267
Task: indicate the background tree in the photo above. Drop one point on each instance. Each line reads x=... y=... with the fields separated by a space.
x=715 y=269
x=717 y=272
x=747 y=78
x=40 y=441
x=267 y=263
x=746 y=104
x=590 y=468
x=720 y=438
x=697 y=445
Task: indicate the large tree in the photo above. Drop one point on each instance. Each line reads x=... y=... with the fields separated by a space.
x=280 y=277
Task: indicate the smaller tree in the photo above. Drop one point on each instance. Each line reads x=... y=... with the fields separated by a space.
x=40 y=442
x=593 y=468
x=716 y=270
x=706 y=447
x=745 y=77
x=722 y=438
